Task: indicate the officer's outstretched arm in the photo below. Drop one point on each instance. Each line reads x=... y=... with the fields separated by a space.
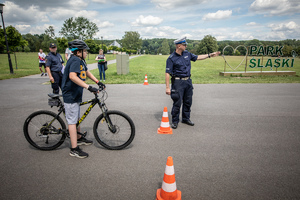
x=204 y=56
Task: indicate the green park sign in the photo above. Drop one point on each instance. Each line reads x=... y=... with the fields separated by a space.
x=269 y=51
x=258 y=53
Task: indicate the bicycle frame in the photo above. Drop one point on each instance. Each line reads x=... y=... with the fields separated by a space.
x=93 y=102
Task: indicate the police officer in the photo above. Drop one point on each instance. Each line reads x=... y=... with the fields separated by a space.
x=179 y=68
x=54 y=67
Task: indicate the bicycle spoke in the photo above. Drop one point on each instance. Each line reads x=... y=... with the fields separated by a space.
x=121 y=137
x=40 y=133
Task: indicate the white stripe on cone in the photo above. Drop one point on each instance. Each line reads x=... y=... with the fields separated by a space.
x=165 y=114
x=165 y=124
x=169 y=170
x=168 y=187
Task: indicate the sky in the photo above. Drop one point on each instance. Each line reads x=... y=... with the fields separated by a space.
x=223 y=19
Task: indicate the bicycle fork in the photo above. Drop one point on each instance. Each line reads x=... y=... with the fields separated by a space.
x=111 y=127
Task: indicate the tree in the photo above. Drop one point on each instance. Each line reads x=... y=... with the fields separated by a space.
x=287 y=50
x=50 y=32
x=78 y=28
x=254 y=42
x=207 y=45
x=14 y=38
x=165 y=48
x=62 y=44
x=94 y=48
x=34 y=42
x=131 y=40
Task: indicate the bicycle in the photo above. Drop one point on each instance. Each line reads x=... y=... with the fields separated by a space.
x=46 y=130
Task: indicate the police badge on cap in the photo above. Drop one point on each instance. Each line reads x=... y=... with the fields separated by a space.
x=52 y=45
x=181 y=41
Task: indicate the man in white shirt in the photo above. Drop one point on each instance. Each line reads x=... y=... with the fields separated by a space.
x=42 y=62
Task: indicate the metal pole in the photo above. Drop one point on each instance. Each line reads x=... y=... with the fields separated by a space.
x=7 y=48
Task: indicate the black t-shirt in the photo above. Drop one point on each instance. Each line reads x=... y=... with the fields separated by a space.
x=72 y=93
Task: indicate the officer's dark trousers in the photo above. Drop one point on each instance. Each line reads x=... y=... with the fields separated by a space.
x=181 y=93
x=57 y=82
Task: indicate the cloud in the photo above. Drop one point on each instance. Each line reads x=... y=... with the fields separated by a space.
x=160 y=32
x=220 y=14
x=284 y=30
x=251 y=24
x=290 y=26
x=168 y=4
x=99 y=1
x=105 y=24
x=20 y=15
x=43 y=5
x=147 y=21
x=23 y=28
x=123 y=2
x=275 y=7
x=40 y=29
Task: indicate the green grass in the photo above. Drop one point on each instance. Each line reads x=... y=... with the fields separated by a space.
x=203 y=72
x=28 y=64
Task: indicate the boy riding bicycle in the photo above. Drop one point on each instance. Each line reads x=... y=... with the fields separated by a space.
x=73 y=83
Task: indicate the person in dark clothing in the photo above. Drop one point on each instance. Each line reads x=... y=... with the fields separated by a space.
x=73 y=83
x=54 y=67
x=179 y=68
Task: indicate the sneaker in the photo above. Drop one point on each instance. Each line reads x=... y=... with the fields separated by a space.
x=84 y=141
x=77 y=152
x=42 y=74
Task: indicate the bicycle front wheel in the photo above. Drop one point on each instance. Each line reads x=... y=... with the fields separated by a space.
x=43 y=130
x=115 y=131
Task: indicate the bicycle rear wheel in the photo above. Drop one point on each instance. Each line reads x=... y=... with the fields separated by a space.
x=43 y=131
x=120 y=137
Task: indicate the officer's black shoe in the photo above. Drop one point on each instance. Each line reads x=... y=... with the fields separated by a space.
x=174 y=125
x=188 y=122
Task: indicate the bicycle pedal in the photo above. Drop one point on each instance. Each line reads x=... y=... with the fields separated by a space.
x=82 y=134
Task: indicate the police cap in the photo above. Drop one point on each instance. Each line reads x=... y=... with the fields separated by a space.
x=181 y=41
x=52 y=45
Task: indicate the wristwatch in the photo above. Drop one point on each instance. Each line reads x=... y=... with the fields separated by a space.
x=208 y=55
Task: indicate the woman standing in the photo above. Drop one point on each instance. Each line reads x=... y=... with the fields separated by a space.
x=101 y=62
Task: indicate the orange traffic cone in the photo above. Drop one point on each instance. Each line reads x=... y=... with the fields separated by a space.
x=146 y=80
x=165 y=125
x=168 y=189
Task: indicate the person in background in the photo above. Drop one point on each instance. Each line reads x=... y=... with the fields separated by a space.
x=54 y=67
x=101 y=62
x=68 y=54
x=42 y=62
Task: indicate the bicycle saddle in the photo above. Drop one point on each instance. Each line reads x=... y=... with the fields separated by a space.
x=54 y=95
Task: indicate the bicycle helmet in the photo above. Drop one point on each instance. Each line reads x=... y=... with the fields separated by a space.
x=78 y=45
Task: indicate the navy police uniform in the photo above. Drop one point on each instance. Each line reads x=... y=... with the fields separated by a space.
x=179 y=67
x=54 y=61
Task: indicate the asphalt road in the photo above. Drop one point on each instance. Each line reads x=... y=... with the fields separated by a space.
x=245 y=145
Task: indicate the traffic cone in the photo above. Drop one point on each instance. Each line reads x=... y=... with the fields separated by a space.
x=168 y=189
x=146 y=80
x=165 y=125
